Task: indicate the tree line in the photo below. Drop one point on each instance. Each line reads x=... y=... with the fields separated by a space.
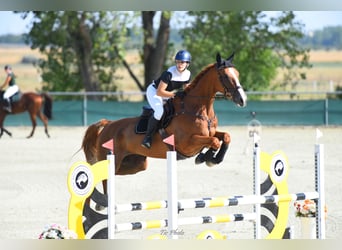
x=328 y=38
x=84 y=49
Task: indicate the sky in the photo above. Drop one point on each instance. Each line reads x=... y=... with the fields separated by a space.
x=313 y=20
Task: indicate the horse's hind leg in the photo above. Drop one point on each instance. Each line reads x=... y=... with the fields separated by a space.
x=132 y=164
x=45 y=121
x=99 y=207
x=34 y=124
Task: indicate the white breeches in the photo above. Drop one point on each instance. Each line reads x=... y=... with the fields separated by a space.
x=11 y=91
x=156 y=102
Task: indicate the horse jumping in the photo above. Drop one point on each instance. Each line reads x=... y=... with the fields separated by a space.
x=32 y=103
x=193 y=124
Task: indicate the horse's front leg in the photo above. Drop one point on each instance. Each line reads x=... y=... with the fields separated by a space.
x=2 y=130
x=225 y=138
x=209 y=157
x=201 y=141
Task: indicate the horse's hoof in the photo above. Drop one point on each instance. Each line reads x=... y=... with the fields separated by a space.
x=210 y=163
x=199 y=159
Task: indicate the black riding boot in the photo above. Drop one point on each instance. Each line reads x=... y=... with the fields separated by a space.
x=151 y=129
x=7 y=105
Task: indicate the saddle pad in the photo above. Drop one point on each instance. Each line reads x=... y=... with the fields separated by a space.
x=16 y=97
x=141 y=126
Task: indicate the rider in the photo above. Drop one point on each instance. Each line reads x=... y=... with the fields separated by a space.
x=12 y=88
x=160 y=90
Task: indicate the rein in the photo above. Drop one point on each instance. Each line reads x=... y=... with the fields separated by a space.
x=229 y=89
x=229 y=92
x=202 y=117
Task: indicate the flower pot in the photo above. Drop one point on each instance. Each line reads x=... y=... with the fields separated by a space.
x=308 y=227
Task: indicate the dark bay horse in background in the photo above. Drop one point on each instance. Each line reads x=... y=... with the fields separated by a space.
x=193 y=125
x=33 y=103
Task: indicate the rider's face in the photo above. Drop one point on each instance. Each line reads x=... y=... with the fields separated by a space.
x=181 y=65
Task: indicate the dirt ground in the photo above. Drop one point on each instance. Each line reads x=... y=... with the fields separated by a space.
x=33 y=180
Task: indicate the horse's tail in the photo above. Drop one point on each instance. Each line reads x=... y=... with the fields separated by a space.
x=47 y=105
x=90 y=139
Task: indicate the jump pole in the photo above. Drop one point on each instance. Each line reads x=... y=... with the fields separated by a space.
x=172 y=198
x=111 y=197
x=111 y=189
x=173 y=204
x=256 y=178
x=319 y=186
x=172 y=195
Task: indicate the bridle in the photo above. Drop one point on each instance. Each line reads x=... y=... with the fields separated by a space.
x=229 y=89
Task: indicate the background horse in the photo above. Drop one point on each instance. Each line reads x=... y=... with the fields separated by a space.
x=32 y=103
x=193 y=124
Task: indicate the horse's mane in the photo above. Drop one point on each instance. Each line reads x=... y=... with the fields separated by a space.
x=198 y=77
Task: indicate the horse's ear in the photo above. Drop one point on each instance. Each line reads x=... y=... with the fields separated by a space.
x=231 y=57
x=218 y=58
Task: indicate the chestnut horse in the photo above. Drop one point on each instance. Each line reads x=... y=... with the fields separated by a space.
x=193 y=124
x=32 y=103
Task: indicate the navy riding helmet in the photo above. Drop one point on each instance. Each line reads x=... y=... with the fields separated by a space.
x=183 y=55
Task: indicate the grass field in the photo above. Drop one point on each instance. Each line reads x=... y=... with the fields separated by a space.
x=327 y=66
x=325 y=74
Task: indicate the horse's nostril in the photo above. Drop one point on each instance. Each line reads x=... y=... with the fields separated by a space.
x=240 y=101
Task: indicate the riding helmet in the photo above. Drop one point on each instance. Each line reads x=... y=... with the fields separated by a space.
x=183 y=55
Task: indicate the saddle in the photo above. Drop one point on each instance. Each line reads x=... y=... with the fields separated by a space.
x=169 y=110
x=14 y=98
